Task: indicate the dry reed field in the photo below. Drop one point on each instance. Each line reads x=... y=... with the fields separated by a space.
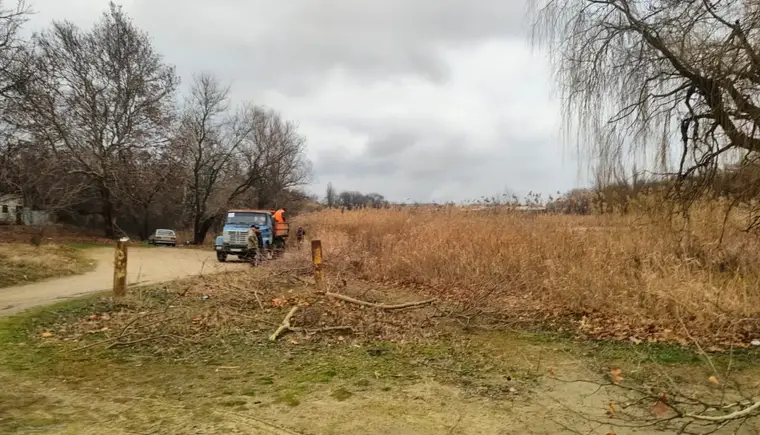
x=640 y=277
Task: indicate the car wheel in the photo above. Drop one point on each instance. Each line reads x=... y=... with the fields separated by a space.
x=221 y=256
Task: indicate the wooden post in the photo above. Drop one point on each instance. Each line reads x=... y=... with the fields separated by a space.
x=120 y=268
x=316 y=258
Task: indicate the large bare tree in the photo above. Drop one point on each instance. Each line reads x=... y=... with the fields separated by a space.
x=13 y=69
x=657 y=78
x=235 y=154
x=33 y=172
x=153 y=188
x=275 y=158
x=98 y=98
x=213 y=136
x=26 y=168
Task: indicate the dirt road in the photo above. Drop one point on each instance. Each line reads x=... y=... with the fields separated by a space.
x=145 y=266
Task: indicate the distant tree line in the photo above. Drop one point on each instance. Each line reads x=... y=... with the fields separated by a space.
x=352 y=199
x=92 y=129
x=738 y=184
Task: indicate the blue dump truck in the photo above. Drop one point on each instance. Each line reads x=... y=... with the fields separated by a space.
x=234 y=238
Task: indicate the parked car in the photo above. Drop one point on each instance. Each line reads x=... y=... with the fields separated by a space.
x=163 y=237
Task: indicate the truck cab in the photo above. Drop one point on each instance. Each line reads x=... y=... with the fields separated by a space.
x=234 y=238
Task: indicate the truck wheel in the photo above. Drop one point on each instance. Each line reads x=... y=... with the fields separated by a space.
x=221 y=256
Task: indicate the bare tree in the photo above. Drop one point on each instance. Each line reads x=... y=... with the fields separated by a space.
x=639 y=77
x=32 y=171
x=331 y=196
x=13 y=71
x=213 y=137
x=153 y=185
x=275 y=159
x=97 y=98
x=236 y=156
x=13 y=77
x=354 y=199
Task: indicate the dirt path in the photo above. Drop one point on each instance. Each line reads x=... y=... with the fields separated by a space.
x=145 y=266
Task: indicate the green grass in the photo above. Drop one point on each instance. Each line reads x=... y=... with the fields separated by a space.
x=608 y=352
x=22 y=264
x=285 y=373
x=228 y=373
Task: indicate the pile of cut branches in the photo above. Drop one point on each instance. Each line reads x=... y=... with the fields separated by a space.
x=251 y=307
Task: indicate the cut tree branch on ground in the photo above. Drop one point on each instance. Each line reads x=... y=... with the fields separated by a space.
x=115 y=341
x=743 y=413
x=285 y=325
x=379 y=306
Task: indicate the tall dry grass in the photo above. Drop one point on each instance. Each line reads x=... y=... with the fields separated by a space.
x=632 y=276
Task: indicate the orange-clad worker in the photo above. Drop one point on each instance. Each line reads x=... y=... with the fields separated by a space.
x=279 y=215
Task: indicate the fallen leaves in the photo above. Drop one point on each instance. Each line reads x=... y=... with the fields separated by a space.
x=611 y=410
x=616 y=376
x=46 y=334
x=661 y=408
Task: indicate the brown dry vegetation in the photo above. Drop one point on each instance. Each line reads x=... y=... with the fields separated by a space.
x=21 y=264
x=633 y=276
x=58 y=234
x=201 y=348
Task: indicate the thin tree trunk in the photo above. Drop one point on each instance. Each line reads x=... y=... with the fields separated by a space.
x=200 y=230
x=145 y=225
x=107 y=212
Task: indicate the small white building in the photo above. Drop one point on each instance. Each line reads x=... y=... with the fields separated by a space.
x=10 y=205
x=12 y=211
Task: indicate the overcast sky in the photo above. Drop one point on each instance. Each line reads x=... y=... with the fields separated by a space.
x=421 y=99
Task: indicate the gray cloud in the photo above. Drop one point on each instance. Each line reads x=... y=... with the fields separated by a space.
x=390 y=144
x=340 y=162
x=293 y=43
x=425 y=99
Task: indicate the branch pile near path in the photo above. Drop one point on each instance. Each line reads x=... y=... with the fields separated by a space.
x=286 y=325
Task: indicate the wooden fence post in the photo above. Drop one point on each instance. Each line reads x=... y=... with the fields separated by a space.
x=120 y=268
x=316 y=258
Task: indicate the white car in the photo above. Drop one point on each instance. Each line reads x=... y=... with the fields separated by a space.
x=163 y=237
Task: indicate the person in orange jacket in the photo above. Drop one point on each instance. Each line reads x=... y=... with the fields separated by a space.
x=279 y=215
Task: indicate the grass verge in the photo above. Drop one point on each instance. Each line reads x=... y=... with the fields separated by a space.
x=21 y=264
x=194 y=355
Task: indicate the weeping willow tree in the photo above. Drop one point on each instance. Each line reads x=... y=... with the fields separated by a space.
x=670 y=83
x=677 y=81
